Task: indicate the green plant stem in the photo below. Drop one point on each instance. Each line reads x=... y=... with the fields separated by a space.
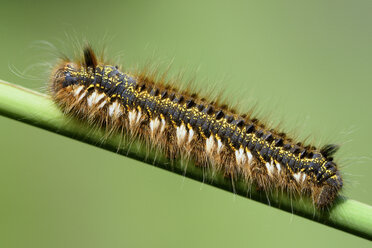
x=38 y=109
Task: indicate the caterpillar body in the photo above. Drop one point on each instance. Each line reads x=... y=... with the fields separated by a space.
x=182 y=123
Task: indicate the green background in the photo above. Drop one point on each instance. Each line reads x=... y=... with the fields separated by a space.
x=306 y=63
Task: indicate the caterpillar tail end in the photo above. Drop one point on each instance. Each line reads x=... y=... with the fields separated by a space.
x=324 y=195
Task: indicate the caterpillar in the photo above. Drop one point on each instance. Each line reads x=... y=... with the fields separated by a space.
x=182 y=123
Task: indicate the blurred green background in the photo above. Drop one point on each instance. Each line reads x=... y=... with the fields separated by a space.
x=307 y=63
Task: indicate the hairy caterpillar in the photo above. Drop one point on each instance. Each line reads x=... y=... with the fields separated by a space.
x=213 y=136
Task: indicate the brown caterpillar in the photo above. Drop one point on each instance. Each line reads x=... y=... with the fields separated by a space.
x=182 y=123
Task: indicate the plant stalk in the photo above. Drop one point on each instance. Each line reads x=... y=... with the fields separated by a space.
x=39 y=110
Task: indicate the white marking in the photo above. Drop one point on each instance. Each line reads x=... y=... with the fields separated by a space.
x=278 y=167
x=191 y=134
x=209 y=144
x=100 y=96
x=114 y=109
x=162 y=126
x=90 y=98
x=270 y=168
x=219 y=146
x=78 y=90
x=240 y=156
x=250 y=157
x=132 y=117
x=154 y=125
x=94 y=98
x=181 y=133
x=297 y=176
x=237 y=157
x=138 y=116
x=82 y=95
x=300 y=177
x=111 y=108
x=303 y=177
x=102 y=104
